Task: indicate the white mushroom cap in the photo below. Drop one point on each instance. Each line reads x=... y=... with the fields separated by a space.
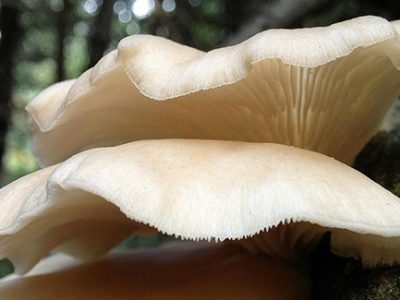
x=205 y=272
x=324 y=89
x=201 y=189
x=396 y=25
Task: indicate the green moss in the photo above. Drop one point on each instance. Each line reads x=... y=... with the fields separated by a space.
x=6 y=267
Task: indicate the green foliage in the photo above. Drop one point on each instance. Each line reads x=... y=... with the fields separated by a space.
x=6 y=267
x=212 y=7
x=207 y=34
x=76 y=56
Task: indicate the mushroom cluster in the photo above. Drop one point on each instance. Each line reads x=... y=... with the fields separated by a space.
x=248 y=146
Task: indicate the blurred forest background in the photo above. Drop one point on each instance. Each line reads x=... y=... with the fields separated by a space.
x=46 y=41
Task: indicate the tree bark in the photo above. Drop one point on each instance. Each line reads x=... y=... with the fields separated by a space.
x=340 y=278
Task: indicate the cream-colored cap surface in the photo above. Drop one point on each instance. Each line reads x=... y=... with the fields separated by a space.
x=172 y=272
x=324 y=89
x=200 y=189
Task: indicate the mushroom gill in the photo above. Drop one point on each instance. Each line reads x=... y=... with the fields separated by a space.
x=324 y=89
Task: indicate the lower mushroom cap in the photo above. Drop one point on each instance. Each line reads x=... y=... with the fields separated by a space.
x=185 y=272
x=199 y=189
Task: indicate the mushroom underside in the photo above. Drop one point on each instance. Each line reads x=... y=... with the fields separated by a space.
x=333 y=105
x=170 y=272
x=290 y=198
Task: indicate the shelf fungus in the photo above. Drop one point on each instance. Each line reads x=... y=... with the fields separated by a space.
x=247 y=146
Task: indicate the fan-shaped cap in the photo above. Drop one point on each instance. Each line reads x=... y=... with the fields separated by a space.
x=187 y=272
x=283 y=197
x=324 y=89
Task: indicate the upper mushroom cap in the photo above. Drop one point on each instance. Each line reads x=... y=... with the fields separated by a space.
x=199 y=189
x=324 y=89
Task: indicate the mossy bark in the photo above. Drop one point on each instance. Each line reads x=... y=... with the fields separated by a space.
x=380 y=160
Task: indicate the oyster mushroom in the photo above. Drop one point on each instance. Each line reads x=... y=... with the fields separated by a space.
x=396 y=25
x=184 y=272
x=324 y=89
x=200 y=190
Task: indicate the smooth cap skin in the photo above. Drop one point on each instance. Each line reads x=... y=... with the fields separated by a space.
x=392 y=118
x=396 y=25
x=324 y=89
x=185 y=272
x=283 y=197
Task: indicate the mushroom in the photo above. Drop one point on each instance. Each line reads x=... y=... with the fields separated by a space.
x=216 y=159
x=166 y=185
x=173 y=272
x=324 y=89
x=396 y=25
